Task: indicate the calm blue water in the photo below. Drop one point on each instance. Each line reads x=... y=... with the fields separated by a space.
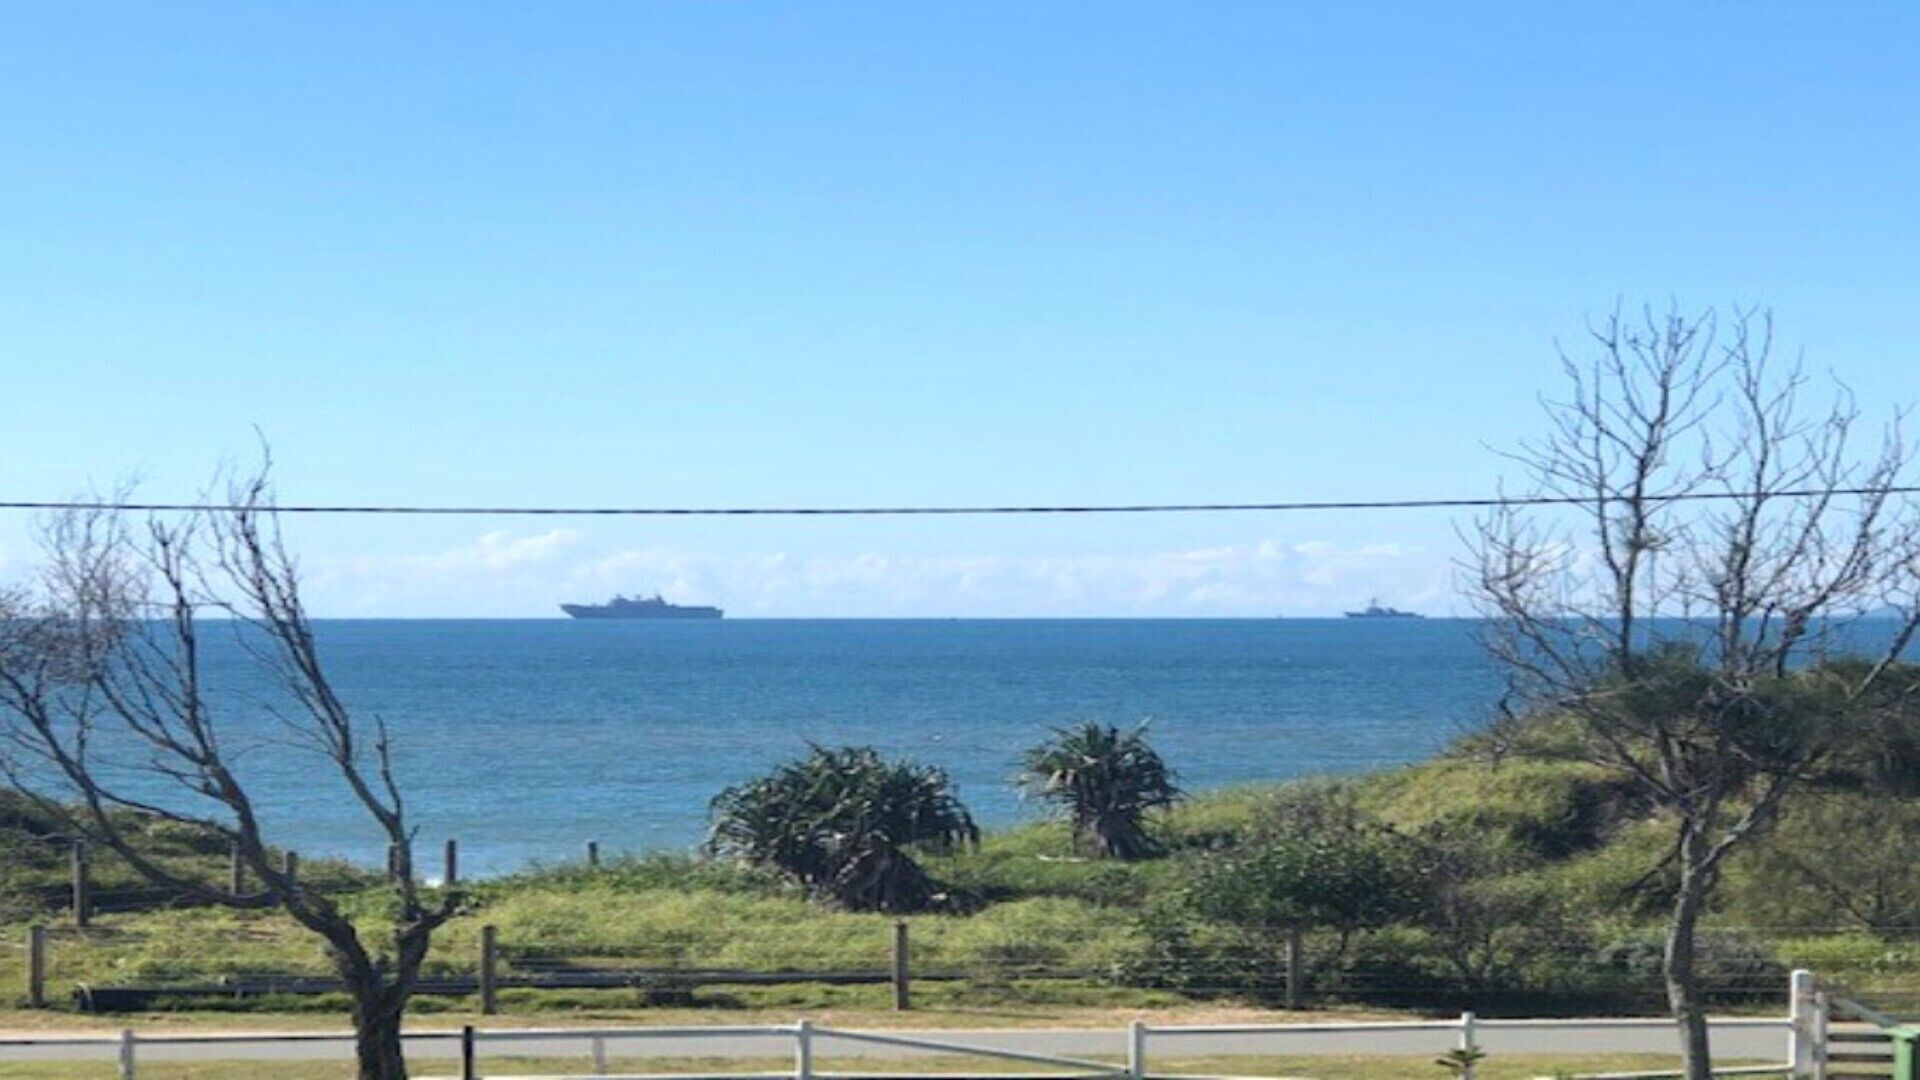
x=524 y=739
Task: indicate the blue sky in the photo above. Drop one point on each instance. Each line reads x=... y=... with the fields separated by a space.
x=885 y=253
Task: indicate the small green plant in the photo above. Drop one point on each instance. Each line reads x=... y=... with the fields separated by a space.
x=1460 y=1061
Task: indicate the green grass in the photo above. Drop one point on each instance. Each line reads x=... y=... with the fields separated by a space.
x=663 y=928
x=1535 y=810
x=705 y=928
x=37 y=862
x=1570 y=837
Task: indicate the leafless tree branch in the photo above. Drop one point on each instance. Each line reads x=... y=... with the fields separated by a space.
x=1705 y=650
x=106 y=722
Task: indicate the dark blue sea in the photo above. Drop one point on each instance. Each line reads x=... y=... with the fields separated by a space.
x=526 y=738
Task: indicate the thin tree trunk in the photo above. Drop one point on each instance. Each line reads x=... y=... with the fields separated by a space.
x=380 y=1000
x=376 y=1042
x=1683 y=986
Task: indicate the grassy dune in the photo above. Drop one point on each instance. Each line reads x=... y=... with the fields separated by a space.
x=1571 y=842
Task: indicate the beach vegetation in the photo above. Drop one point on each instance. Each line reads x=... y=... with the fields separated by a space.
x=1108 y=781
x=1315 y=863
x=844 y=824
x=1518 y=885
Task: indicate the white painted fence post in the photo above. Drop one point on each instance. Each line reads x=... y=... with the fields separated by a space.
x=803 y=1050
x=1821 y=1011
x=1468 y=1044
x=1800 y=1024
x=1137 y=1050
x=126 y=1054
x=598 y=1046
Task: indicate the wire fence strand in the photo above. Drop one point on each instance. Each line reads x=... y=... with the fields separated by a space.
x=1285 y=506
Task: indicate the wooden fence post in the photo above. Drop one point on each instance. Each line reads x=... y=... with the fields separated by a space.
x=597 y=1047
x=593 y=854
x=1296 y=975
x=126 y=1054
x=489 y=958
x=82 y=886
x=803 y=1050
x=452 y=875
x=236 y=872
x=1137 y=1050
x=36 y=967
x=902 y=991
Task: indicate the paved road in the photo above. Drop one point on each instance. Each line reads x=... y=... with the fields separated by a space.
x=1735 y=1040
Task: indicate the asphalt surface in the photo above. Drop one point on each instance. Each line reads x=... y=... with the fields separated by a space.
x=1737 y=1039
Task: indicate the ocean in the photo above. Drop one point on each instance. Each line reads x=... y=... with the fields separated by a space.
x=525 y=739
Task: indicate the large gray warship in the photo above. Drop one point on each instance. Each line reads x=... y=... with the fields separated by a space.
x=621 y=607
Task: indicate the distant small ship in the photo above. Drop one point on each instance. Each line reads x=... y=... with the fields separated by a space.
x=1373 y=610
x=621 y=607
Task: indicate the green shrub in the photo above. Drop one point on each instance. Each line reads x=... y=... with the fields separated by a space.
x=844 y=823
x=1799 y=876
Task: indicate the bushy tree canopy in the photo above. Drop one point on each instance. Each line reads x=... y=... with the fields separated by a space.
x=1344 y=881
x=1317 y=864
x=841 y=821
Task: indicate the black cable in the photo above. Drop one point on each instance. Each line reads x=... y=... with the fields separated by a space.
x=909 y=511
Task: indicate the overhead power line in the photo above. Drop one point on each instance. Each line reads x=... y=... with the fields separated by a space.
x=1495 y=502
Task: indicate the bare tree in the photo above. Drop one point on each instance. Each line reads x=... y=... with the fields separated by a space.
x=108 y=721
x=1695 y=613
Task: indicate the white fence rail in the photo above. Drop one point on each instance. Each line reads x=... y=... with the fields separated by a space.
x=1797 y=1040
x=1081 y=1055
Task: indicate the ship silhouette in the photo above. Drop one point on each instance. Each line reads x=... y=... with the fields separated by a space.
x=1373 y=610
x=622 y=607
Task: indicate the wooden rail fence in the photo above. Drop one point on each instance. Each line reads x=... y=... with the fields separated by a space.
x=487 y=979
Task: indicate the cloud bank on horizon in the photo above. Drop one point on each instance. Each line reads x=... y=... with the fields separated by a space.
x=508 y=574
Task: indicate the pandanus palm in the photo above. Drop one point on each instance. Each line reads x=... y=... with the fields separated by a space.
x=1106 y=780
x=841 y=822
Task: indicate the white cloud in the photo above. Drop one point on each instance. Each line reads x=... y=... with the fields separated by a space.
x=504 y=574
x=500 y=549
